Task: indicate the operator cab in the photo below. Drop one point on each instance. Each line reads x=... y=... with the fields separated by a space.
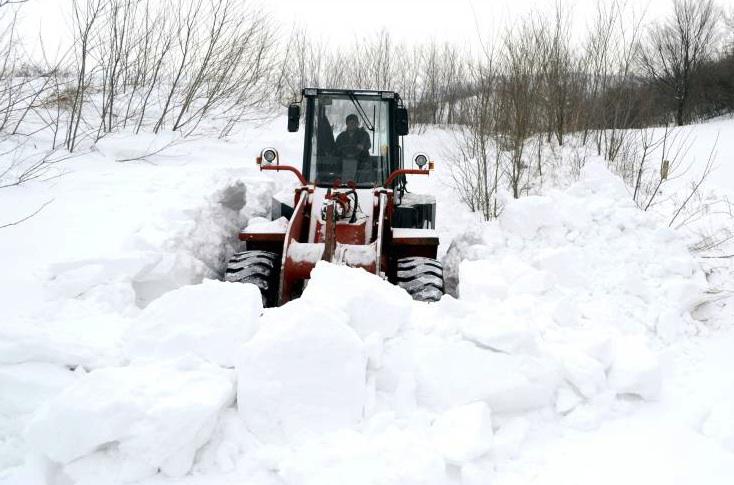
x=352 y=136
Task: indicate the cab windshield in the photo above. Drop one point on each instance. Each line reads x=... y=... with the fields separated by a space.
x=350 y=140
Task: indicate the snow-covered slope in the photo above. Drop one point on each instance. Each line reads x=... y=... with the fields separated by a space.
x=586 y=344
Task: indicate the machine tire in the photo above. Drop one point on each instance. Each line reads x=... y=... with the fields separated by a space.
x=261 y=268
x=421 y=277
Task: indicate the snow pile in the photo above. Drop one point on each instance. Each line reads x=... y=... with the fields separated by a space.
x=115 y=237
x=158 y=414
x=580 y=281
x=76 y=300
x=584 y=257
x=565 y=304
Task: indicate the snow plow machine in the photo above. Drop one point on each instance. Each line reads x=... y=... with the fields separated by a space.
x=351 y=205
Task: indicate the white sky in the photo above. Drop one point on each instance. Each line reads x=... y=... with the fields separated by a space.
x=343 y=21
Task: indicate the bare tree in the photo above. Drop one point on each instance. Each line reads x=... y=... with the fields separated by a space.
x=518 y=93
x=676 y=49
x=476 y=170
x=85 y=18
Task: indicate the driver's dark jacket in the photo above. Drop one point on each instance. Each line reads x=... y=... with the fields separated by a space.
x=358 y=137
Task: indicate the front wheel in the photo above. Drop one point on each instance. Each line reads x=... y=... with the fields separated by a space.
x=261 y=268
x=421 y=277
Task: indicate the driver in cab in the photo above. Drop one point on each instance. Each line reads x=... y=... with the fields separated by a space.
x=354 y=142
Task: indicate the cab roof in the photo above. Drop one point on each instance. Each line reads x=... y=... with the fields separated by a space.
x=313 y=92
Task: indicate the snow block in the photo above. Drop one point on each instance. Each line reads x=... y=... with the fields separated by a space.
x=453 y=373
x=502 y=333
x=636 y=369
x=372 y=304
x=304 y=372
x=585 y=373
x=158 y=413
x=211 y=320
x=463 y=433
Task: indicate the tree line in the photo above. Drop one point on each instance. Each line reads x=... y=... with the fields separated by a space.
x=169 y=65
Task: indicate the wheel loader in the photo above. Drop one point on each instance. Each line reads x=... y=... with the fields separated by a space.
x=351 y=205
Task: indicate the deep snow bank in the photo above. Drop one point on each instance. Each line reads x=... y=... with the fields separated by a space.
x=564 y=305
x=115 y=237
x=585 y=258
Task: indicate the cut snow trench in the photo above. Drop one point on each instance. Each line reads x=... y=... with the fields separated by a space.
x=196 y=262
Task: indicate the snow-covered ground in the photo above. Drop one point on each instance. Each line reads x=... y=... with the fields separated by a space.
x=588 y=344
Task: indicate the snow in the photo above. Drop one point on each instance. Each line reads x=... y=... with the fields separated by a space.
x=406 y=232
x=371 y=306
x=304 y=372
x=452 y=372
x=178 y=324
x=305 y=252
x=636 y=369
x=719 y=424
x=587 y=344
x=262 y=226
x=158 y=414
x=355 y=254
x=464 y=433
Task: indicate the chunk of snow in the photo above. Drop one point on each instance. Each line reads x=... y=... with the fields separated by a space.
x=636 y=369
x=305 y=252
x=303 y=372
x=566 y=400
x=160 y=413
x=452 y=373
x=279 y=225
x=363 y=255
x=24 y=387
x=585 y=373
x=463 y=433
x=566 y=313
x=70 y=334
x=211 y=320
x=101 y=465
x=509 y=438
x=372 y=306
x=502 y=335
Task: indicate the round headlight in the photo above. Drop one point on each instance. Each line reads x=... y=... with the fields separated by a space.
x=421 y=160
x=269 y=156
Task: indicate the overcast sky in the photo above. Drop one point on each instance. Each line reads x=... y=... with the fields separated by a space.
x=343 y=21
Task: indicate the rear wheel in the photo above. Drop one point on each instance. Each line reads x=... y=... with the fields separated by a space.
x=421 y=277
x=261 y=268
